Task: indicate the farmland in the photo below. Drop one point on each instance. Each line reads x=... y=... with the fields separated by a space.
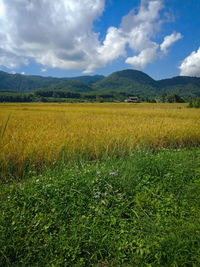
x=104 y=184
x=45 y=134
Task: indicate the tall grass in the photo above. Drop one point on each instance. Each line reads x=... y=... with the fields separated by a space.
x=45 y=134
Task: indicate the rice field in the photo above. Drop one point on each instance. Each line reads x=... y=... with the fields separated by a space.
x=35 y=135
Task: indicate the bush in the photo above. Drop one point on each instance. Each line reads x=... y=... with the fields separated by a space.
x=194 y=103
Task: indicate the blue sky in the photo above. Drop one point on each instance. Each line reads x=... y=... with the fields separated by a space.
x=65 y=38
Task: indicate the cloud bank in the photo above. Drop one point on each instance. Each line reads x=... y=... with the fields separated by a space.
x=60 y=34
x=191 y=64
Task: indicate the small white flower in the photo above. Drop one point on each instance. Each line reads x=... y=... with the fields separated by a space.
x=113 y=173
x=97 y=195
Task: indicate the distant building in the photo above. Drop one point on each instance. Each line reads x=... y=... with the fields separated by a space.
x=132 y=99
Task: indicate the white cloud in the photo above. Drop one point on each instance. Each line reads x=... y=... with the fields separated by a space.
x=146 y=56
x=191 y=65
x=113 y=47
x=22 y=73
x=43 y=69
x=1 y=8
x=136 y=30
x=60 y=34
x=169 y=40
x=54 y=33
x=10 y=60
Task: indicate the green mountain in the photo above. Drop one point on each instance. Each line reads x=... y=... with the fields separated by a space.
x=24 y=83
x=72 y=85
x=130 y=81
x=127 y=81
x=139 y=83
x=181 y=85
x=87 y=79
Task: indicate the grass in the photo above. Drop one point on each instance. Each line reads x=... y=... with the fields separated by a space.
x=140 y=210
x=39 y=135
x=99 y=185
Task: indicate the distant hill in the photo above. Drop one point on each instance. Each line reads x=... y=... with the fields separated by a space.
x=139 y=83
x=126 y=81
x=24 y=83
x=72 y=85
x=87 y=79
x=181 y=85
x=131 y=81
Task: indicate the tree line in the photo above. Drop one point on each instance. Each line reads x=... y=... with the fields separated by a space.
x=50 y=95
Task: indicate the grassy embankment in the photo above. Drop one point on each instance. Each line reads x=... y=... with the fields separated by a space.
x=140 y=208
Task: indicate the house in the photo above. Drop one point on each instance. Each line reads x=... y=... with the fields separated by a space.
x=132 y=99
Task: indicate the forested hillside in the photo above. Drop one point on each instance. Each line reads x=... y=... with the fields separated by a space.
x=25 y=83
x=127 y=81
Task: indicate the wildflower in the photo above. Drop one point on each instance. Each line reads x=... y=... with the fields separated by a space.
x=97 y=195
x=113 y=173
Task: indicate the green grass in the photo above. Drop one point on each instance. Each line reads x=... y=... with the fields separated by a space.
x=143 y=210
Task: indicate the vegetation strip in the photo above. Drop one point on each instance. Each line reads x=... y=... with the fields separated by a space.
x=116 y=87
x=142 y=210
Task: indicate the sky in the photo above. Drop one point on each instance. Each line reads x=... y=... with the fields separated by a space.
x=66 y=38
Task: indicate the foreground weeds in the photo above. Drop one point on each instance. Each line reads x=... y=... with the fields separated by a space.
x=142 y=210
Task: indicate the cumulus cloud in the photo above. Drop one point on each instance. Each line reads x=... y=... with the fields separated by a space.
x=191 y=65
x=146 y=56
x=43 y=69
x=54 y=33
x=60 y=34
x=169 y=40
x=136 y=30
x=10 y=60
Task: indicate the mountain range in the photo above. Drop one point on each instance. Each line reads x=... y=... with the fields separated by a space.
x=125 y=81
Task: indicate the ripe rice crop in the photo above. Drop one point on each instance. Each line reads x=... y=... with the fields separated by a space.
x=45 y=134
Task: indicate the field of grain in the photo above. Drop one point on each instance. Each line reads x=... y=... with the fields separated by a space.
x=45 y=134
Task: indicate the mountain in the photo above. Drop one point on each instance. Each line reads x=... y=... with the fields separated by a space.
x=24 y=83
x=126 y=81
x=181 y=85
x=72 y=85
x=139 y=83
x=130 y=81
x=87 y=79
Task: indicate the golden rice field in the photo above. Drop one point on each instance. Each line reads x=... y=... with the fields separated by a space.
x=48 y=133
